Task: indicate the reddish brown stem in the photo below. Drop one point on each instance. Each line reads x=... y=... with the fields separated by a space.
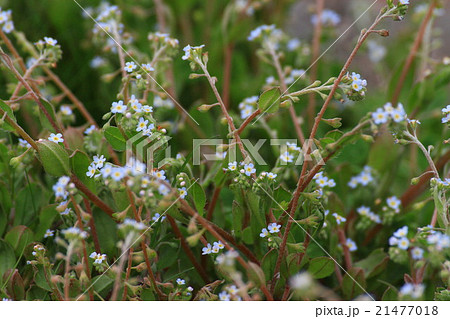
x=127 y=275
x=201 y=271
x=212 y=204
x=343 y=242
x=92 y=226
x=97 y=201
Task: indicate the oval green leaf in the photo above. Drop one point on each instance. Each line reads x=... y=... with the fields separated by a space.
x=54 y=158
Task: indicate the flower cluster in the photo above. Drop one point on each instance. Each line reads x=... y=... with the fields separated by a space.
x=323 y=181
x=439 y=240
x=214 y=249
x=364 y=178
x=60 y=188
x=74 y=233
x=229 y=294
x=6 y=21
x=400 y=239
x=272 y=228
x=131 y=225
x=354 y=86
x=192 y=53
x=382 y=115
x=293 y=151
x=268 y=35
x=366 y=212
x=248 y=106
x=412 y=290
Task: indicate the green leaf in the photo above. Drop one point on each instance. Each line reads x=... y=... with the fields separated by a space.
x=7 y=257
x=19 y=237
x=27 y=203
x=15 y=286
x=199 y=197
x=101 y=282
x=5 y=107
x=321 y=267
x=268 y=263
x=353 y=283
x=238 y=215
x=46 y=218
x=256 y=274
x=80 y=163
x=115 y=138
x=390 y=294
x=106 y=231
x=51 y=112
x=54 y=158
x=375 y=263
x=40 y=278
x=269 y=101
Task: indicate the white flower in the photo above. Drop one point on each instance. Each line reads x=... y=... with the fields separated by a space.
x=403 y=243
x=66 y=110
x=130 y=67
x=401 y=232
x=106 y=171
x=415 y=291
x=293 y=44
x=98 y=258
x=159 y=174
x=328 y=17
x=99 y=161
x=163 y=190
x=74 y=233
x=91 y=170
x=132 y=224
x=380 y=116
x=118 y=107
x=224 y=296
x=147 y=67
x=351 y=245
x=158 y=217
x=219 y=244
x=274 y=228
x=246 y=112
x=142 y=124
x=8 y=27
x=23 y=143
x=207 y=250
x=301 y=281
x=339 y=218
x=417 y=253
x=271 y=175
x=249 y=169
x=66 y=211
x=363 y=211
x=404 y=2
x=232 y=166
x=117 y=173
x=50 y=41
x=89 y=130
x=286 y=157
x=393 y=202
x=147 y=109
x=365 y=178
x=49 y=233
x=181 y=282
x=182 y=192
x=393 y=241
x=57 y=138
x=264 y=233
